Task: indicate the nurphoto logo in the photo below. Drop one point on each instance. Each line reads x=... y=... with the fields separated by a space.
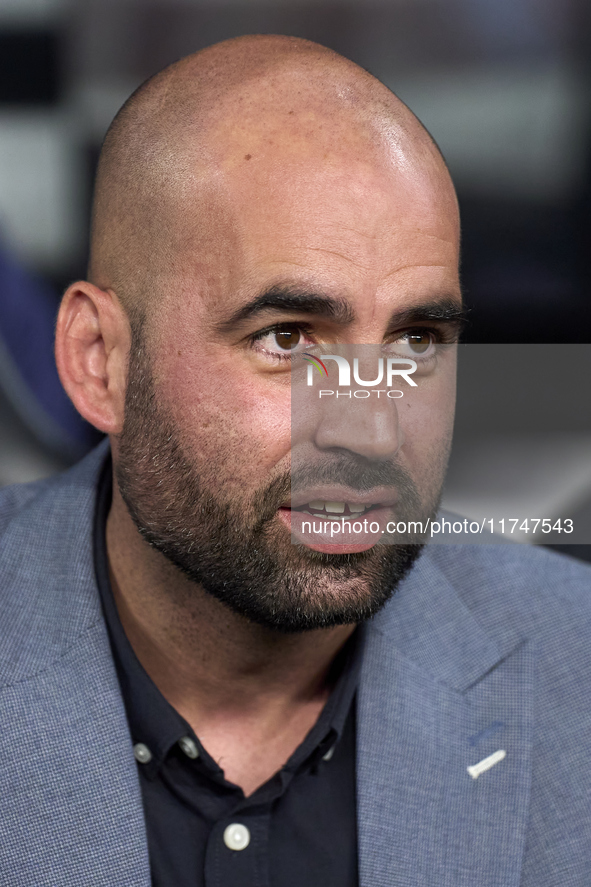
x=401 y=368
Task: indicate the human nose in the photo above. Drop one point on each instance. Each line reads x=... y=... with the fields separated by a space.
x=368 y=426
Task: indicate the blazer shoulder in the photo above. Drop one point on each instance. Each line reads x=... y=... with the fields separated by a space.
x=14 y=498
x=47 y=586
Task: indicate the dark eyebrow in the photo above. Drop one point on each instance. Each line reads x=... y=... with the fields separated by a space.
x=294 y=301
x=446 y=310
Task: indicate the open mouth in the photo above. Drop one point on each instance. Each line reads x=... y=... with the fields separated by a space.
x=335 y=510
x=337 y=526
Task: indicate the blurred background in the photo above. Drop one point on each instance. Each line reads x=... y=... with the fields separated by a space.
x=504 y=86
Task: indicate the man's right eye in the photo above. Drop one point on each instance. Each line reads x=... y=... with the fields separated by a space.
x=281 y=341
x=288 y=339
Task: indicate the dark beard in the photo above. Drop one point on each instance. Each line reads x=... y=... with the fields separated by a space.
x=237 y=551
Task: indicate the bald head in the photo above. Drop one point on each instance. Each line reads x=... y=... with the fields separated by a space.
x=238 y=110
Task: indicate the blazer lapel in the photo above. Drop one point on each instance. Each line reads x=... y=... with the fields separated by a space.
x=437 y=695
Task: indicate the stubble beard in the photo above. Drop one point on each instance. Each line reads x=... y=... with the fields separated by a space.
x=238 y=552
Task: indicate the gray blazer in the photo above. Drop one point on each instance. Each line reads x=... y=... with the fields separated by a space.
x=481 y=649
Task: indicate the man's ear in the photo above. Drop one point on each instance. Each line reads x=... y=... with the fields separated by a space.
x=92 y=342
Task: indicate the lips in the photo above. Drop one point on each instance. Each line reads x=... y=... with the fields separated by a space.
x=345 y=525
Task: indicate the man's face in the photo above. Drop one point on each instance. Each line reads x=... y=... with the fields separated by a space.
x=204 y=460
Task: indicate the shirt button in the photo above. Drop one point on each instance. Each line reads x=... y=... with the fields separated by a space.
x=189 y=747
x=142 y=753
x=236 y=836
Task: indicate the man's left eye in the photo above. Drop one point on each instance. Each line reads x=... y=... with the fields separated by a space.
x=419 y=341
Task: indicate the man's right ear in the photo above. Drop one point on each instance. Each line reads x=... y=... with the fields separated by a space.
x=92 y=342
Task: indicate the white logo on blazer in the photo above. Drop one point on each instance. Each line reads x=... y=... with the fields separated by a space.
x=482 y=766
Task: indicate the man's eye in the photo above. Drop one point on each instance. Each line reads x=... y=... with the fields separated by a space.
x=287 y=338
x=418 y=342
x=281 y=342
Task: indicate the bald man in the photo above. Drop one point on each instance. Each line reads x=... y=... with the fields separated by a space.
x=189 y=697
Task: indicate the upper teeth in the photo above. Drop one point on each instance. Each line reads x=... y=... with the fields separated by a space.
x=337 y=507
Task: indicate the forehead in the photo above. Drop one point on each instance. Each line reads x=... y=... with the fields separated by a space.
x=348 y=210
x=341 y=206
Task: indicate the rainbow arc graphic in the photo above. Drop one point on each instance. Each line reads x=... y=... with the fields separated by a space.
x=315 y=362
